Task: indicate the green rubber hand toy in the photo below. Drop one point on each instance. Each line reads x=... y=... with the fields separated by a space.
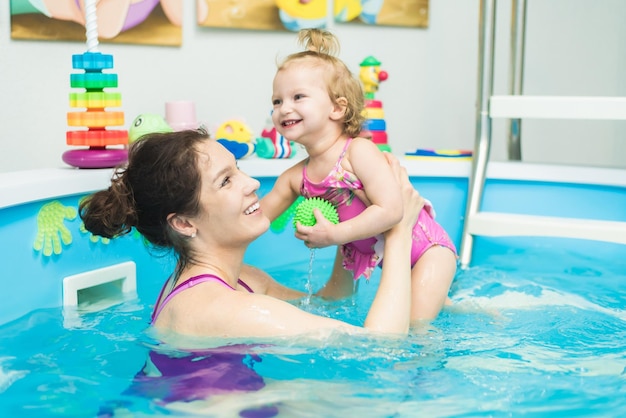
x=304 y=211
x=93 y=238
x=51 y=231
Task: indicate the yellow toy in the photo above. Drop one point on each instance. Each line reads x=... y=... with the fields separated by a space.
x=371 y=76
x=297 y=14
x=237 y=137
x=234 y=130
x=375 y=127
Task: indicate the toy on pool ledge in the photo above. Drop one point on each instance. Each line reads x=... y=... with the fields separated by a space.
x=439 y=155
x=95 y=100
x=375 y=127
x=304 y=211
x=236 y=137
x=271 y=144
x=179 y=115
x=147 y=123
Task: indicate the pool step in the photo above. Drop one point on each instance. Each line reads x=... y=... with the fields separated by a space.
x=517 y=107
x=508 y=224
x=557 y=107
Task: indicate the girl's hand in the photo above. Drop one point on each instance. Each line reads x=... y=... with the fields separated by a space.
x=319 y=235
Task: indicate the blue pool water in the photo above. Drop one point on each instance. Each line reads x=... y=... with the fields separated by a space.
x=539 y=331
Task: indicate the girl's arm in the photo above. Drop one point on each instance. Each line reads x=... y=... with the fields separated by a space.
x=282 y=195
x=383 y=194
x=389 y=313
x=284 y=192
x=381 y=186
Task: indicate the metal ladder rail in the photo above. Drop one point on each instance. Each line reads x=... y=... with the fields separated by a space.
x=486 y=39
x=518 y=107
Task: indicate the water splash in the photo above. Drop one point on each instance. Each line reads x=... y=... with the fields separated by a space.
x=308 y=285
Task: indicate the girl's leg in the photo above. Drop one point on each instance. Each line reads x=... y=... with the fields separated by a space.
x=431 y=278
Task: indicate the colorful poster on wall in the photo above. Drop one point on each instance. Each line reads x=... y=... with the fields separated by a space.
x=408 y=13
x=294 y=15
x=145 y=22
x=239 y=14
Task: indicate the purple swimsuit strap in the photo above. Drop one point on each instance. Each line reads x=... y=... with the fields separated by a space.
x=245 y=286
x=191 y=282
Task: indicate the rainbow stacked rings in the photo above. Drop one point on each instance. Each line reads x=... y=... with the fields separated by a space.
x=95 y=118
x=375 y=126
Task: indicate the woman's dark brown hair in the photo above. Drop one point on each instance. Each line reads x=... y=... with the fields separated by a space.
x=160 y=178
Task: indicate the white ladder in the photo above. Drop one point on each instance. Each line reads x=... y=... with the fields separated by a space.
x=517 y=107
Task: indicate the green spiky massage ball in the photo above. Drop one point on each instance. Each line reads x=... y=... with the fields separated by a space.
x=304 y=211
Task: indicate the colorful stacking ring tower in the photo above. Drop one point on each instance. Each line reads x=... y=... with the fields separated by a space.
x=375 y=126
x=95 y=100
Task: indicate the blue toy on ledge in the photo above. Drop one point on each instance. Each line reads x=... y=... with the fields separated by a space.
x=236 y=137
x=439 y=155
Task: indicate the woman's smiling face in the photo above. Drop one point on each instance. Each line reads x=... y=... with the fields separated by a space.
x=230 y=209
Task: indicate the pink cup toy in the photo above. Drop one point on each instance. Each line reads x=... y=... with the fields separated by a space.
x=181 y=115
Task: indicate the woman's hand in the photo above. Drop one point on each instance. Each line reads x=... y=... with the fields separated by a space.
x=413 y=202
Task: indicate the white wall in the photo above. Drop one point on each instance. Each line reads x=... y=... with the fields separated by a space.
x=574 y=47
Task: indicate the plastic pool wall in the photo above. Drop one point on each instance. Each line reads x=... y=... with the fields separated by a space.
x=34 y=280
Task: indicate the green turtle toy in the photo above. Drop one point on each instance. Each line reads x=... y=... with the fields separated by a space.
x=147 y=123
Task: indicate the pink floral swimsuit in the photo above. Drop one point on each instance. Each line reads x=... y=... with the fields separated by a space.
x=362 y=256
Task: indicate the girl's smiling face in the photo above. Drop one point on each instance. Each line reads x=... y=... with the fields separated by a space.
x=301 y=103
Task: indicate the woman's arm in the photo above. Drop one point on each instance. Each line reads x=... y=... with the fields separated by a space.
x=340 y=284
x=395 y=283
x=390 y=310
x=211 y=309
x=264 y=284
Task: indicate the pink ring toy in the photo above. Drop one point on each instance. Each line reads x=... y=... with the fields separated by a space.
x=95 y=158
x=374 y=104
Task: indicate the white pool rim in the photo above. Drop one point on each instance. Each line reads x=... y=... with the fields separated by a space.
x=20 y=187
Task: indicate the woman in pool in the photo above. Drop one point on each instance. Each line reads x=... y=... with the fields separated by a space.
x=183 y=192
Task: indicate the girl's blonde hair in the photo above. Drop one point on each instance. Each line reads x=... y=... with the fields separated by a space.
x=322 y=47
